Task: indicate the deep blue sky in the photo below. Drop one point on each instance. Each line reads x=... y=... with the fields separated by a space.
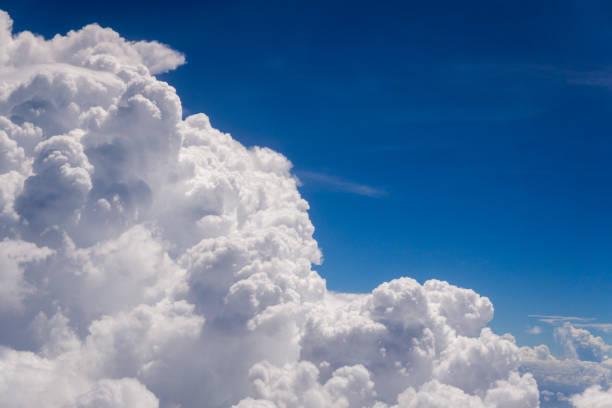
x=465 y=141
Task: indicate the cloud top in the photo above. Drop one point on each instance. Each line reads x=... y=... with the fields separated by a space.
x=92 y=47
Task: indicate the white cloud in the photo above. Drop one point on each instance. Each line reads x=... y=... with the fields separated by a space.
x=535 y=330
x=557 y=319
x=15 y=256
x=604 y=327
x=583 y=366
x=581 y=344
x=122 y=393
x=593 y=397
x=149 y=261
x=338 y=184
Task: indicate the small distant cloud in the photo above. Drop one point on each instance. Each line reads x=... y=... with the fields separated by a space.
x=534 y=330
x=581 y=322
x=556 y=319
x=597 y=78
x=591 y=78
x=339 y=184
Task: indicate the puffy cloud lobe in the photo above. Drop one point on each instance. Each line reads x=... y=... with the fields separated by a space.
x=297 y=385
x=28 y=379
x=436 y=395
x=123 y=393
x=517 y=391
x=92 y=47
x=60 y=185
x=149 y=260
x=464 y=310
x=474 y=364
x=593 y=397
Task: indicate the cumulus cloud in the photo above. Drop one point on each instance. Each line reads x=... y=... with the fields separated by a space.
x=150 y=260
x=581 y=344
x=562 y=380
x=593 y=397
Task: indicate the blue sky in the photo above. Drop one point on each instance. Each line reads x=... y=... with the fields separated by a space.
x=463 y=141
